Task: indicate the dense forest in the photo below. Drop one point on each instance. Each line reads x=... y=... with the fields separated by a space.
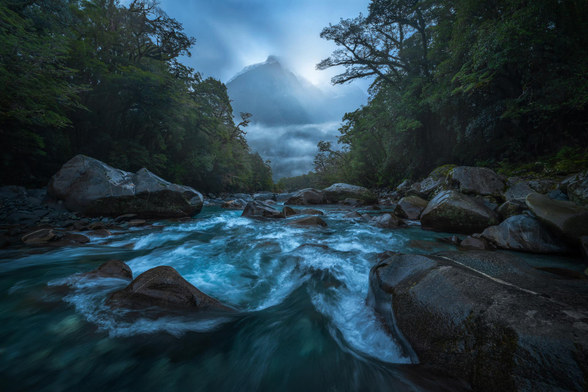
x=498 y=83
x=103 y=79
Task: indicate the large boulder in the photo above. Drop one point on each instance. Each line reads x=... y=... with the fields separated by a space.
x=452 y=211
x=433 y=184
x=259 y=209
x=90 y=186
x=411 y=207
x=488 y=318
x=565 y=219
x=306 y=197
x=339 y=192
x=476 y=181
x=165 y=288
x=519 y=188
x=525 y=234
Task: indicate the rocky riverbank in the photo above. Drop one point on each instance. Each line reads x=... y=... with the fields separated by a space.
x=484 y=316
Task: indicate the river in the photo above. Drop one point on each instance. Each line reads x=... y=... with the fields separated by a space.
x=302 y=322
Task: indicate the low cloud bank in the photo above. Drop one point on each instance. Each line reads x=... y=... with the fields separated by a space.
x=292 y=148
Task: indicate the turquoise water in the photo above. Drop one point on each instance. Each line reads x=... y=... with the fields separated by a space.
x=302 y=323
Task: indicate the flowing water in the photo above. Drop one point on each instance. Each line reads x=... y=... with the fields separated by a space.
x=302 y=321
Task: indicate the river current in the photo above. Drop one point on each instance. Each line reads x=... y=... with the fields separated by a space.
x=302 y=322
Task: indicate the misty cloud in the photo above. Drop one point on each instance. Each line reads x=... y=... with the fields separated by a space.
x=292 y=148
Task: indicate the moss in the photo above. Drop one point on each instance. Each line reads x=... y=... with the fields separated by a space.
x=442 y=171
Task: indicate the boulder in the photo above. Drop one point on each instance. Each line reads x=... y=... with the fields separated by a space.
x=307 y=196
x=404 y=187
x=471 y=243
x=565 y=219
x=259 y=209
x=451 y=211
x=309 y=221
x=411 y=207
x=339 y=192
x=519 y=188
x=42 y=236
x=488 y=318
x=96 y=189
x=525 y=234
x=289 y=211
x=386 y=221
x=165 y=288
x=476 y=181
x=511 y=208
x=577 y=188
x=111 y=269
x=238 y=204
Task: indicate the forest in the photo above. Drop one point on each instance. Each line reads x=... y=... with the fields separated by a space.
x=495 y=83
x=105 y=80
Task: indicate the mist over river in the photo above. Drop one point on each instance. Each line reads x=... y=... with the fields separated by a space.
x=302 y=320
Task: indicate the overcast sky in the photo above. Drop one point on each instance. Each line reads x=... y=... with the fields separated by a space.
x=232 y=34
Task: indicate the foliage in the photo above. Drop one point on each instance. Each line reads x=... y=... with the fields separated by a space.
x=499 y=83
x=103 y=79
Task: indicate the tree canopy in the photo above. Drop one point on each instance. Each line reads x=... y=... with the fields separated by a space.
x=103 y=79
x=470 y=82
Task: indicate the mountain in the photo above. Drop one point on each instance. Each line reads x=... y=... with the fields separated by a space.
x=276 y=96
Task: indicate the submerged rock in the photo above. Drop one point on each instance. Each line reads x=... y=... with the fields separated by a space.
x=306 y=197
x=259 y=209
x=90 y=186
x=565 y=219
x=309 y=221
x=452 y=211
x=165 y=288
x=476 y=181
x=525 y=234
x=339 y=192
x=488 y=318
x=411 y=207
